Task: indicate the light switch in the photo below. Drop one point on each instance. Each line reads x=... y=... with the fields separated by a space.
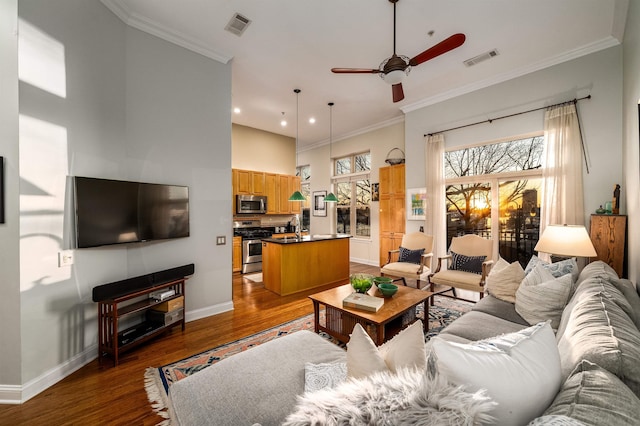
x=65 y=258
x=220 y=241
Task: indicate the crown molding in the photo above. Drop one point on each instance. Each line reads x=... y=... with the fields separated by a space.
x=500 y=78
x=151 y=27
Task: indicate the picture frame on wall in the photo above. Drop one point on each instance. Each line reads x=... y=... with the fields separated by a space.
x=375 y=192
x=416 y=203
x=319 y=205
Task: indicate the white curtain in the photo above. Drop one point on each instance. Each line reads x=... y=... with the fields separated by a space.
x=436 y=219
x=563 y=200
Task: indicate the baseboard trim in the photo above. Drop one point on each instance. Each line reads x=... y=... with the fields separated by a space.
x=208 y=311
x=10 y=394
x=364 y=261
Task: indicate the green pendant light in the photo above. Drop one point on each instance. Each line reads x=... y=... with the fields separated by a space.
x=331 y=198
x=297 y=195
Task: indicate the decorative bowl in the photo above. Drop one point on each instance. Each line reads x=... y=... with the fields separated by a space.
x=361 y=283
x=387 y=289
x=382 y=280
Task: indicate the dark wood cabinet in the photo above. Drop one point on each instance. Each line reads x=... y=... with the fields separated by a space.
x=124 y=321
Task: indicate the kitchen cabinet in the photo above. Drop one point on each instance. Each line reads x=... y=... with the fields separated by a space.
x=277 y=187
x=608 y=235
x=237 y=254
x=392 y=209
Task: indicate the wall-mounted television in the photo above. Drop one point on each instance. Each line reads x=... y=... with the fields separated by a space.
x=117 y=212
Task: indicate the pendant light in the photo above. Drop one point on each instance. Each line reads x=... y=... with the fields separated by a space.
x=331 y=198
x=297 y=195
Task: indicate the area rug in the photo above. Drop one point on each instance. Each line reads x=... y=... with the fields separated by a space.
x=159 y=379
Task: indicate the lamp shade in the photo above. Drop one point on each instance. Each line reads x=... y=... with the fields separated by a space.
x=297 y=196
x=331 y=198
x=566 y=240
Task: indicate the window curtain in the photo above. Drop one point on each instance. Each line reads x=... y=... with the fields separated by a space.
x=563 y=199
x=436 y=218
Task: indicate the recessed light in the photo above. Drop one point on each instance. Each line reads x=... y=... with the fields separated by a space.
x=312 y=120
x=236 y=110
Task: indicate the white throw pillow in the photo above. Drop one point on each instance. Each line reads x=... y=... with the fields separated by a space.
x=323 y=375
x=542 y=297
x=504 y=279
x=406 y=349
x=520 y=371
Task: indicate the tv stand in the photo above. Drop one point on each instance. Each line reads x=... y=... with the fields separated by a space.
x=123 y=316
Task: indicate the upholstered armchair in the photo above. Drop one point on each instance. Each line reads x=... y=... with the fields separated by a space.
x=412 y=260
x=465 y=267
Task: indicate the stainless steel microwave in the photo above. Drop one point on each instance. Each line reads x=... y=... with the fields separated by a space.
x=251 y=204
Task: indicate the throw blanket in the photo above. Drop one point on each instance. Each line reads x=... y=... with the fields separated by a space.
x=409 y=397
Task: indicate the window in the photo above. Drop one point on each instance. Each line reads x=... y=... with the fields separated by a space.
x=493 y=190
x=353 y=189
x=305 y=189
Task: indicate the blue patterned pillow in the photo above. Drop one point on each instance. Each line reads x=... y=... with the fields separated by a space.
x=557 y=269
x=410 y=256
x=460 y=262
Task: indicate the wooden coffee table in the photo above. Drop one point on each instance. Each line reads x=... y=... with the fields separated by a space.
x=396 y=313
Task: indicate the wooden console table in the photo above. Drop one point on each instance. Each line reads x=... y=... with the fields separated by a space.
x=112 y=312
x=396 y=313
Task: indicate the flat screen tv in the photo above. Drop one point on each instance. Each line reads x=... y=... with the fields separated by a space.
x=116 y=212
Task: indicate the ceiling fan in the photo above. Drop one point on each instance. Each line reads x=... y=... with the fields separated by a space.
x=395 y=68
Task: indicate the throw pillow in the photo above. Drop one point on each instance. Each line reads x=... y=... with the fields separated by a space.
x=323 y=375
x=520 y=371
x=460 y=262
x=504 y=279
x=410 y=256
x=558 y=269
x=542 y=297
x=597 y=397
x=406 y=349
x=554 y=420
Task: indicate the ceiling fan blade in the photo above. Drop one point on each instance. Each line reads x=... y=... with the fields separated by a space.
x=444 y=46
x=398 y=93
x=354 y=71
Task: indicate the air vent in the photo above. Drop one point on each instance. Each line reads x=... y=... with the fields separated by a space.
x=237 y=24
x=482 y=57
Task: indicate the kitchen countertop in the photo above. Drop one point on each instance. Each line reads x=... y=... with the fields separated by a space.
x=306 y=238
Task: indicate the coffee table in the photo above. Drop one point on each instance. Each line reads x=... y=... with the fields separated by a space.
x=396 y=313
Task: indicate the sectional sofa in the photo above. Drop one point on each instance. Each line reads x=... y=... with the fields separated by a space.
x=537 y=350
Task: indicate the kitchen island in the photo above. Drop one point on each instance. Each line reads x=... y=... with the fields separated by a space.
x=291 y=265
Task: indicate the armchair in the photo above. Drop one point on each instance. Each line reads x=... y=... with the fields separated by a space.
x=409 y=263
x=465 y=267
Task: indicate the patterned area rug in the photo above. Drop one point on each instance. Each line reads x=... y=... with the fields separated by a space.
x=159 y=379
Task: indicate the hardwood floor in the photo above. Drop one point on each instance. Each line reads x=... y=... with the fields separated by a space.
x=99 y=395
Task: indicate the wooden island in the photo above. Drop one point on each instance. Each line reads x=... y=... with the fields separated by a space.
x=291 y=265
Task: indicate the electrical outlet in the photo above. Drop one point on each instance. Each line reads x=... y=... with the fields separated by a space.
x=65 y=258
x=220 y=241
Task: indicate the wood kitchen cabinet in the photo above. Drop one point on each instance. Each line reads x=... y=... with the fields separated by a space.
x=277 y=188
x=392 y=209
x=237 y=254
x=608 y=235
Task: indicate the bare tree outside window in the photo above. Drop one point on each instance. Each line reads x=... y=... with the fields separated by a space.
x=353 y=209
x=504 y=176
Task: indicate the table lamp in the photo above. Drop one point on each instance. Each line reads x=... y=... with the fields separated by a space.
x=565 y=241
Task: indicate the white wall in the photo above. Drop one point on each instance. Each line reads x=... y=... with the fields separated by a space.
x=631 y=163
x=598 y=74
x=10 y=374
x=128 y=106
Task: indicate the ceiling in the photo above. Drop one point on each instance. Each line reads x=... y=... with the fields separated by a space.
x=295 y=43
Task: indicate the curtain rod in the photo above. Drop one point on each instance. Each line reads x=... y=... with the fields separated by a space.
x=491 y=120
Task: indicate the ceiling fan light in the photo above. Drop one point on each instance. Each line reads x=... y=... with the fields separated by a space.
x=394 y=77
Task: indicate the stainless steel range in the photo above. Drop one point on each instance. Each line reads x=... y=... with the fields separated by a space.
x=251 y=234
